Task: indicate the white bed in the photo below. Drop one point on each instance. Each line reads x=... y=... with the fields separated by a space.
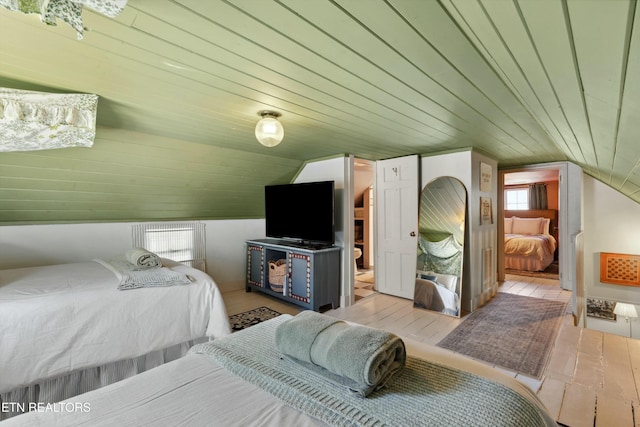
x=66 y=329
x=437 y=292
x=528 y=244
x=197 y=391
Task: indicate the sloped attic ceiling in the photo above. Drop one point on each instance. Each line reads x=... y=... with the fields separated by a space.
x=181 y=83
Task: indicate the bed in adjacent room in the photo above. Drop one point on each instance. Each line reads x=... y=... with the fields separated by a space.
x=248 y=379
x=67 y=329
x=529 y=243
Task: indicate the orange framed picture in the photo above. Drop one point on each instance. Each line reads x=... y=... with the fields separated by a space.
x=620 y=269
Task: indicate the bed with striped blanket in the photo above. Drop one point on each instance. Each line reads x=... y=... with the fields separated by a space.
x=243 y=380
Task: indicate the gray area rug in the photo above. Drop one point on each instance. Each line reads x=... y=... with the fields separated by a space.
x=252 y=317
x=511 y=331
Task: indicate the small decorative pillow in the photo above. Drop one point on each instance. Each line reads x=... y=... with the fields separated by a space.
x=526 y=225
x=508 y=225
x=545 y=226
x=433 y=278
x=449 y=281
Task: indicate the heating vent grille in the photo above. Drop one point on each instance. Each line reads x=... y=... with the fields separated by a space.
x=620 y=269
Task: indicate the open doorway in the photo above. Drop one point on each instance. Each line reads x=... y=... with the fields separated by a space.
x=364 y=178
x=569 y=228
x=531 y=213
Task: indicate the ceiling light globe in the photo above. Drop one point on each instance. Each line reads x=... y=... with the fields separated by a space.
x=269 y=131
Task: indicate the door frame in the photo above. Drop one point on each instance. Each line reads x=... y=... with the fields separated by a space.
x=350 y=217
x=569 y=223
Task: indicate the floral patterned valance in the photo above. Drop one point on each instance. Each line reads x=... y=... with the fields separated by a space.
x=69 y=11
x=42 y=121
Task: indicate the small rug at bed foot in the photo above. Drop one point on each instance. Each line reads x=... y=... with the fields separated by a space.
x=252 y=317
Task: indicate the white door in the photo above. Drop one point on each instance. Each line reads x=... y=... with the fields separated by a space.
x=396 y=204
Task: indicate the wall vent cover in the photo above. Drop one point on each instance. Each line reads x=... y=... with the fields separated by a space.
x=620 y=269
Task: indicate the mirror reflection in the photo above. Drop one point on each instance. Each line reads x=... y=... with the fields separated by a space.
x=443 y=206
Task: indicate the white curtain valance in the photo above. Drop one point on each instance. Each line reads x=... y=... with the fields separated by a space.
x=41 y=121
x=69 y=11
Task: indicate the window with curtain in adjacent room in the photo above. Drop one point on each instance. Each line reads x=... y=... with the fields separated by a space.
x=516 y=199
x=538 y=196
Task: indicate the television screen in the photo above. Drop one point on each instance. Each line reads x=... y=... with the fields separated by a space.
x=300 y=211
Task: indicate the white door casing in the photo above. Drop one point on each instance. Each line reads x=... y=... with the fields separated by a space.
x=396 y=201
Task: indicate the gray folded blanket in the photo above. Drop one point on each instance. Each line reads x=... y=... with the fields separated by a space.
x=131 y=278
x=142 y=259
x=361 y=358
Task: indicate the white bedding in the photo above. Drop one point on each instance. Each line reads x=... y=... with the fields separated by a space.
x=449 y=299
x=61 y=318
x=445 y=285
x=535 y=245
x=190 y=391
x=196 y=391
x=432 y=295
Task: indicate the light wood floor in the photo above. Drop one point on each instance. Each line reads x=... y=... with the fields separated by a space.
x=592 y=378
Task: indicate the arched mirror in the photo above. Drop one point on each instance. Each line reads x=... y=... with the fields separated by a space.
x=443 y=207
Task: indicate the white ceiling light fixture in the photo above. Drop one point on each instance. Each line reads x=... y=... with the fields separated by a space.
x=269 y=130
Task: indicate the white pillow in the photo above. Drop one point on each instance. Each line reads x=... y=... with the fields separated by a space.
x=526 y=225
x=508 y=225
x=545 y=226
x=449 y=281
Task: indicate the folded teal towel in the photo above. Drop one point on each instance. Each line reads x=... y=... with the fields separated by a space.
x=132 y=278
x=361 y=358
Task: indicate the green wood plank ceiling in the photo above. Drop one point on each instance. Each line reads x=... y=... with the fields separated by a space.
x=181 y=83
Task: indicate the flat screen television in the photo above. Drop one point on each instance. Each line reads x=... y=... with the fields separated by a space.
x=303 y=212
